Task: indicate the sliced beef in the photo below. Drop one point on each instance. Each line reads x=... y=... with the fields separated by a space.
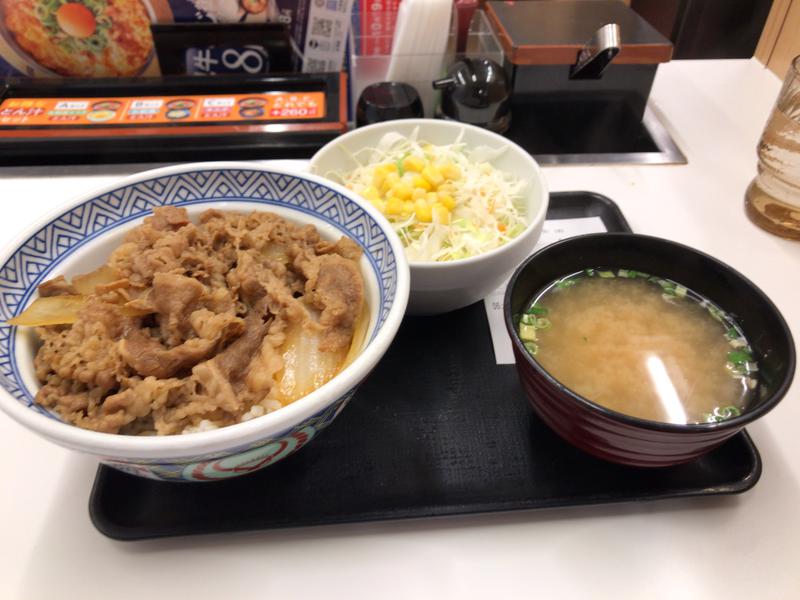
x=174 y=298
x=197 y=326
x=168 y=217
x=234 y=360
x=336 y=288
x=147 y=357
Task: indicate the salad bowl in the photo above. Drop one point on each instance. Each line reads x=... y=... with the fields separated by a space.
x=442 y=286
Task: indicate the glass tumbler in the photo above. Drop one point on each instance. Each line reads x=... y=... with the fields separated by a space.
x=773 y=199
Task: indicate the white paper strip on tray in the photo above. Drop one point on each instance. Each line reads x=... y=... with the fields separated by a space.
x=557 y=229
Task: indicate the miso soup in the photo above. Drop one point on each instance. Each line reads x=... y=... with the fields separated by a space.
x=641 y=345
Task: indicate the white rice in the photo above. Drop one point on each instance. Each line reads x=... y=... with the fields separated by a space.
x=255 y=411
x=272 y=405
x=204 y=425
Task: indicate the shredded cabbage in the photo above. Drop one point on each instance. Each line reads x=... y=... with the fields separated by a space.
x=488 y=202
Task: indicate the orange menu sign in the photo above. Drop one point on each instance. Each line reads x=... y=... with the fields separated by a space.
x=271 y=106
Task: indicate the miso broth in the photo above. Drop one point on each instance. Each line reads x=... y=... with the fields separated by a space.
x=641 y=345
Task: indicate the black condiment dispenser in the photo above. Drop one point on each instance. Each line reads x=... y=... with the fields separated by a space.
x=581 y=72
x=476 y=91
x=386 y=101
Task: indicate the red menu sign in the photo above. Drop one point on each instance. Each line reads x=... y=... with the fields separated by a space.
x=272 y=106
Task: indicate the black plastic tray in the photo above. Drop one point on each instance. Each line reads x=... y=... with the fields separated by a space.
x=437 y=429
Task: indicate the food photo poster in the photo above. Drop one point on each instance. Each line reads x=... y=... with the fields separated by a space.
x=113 y=38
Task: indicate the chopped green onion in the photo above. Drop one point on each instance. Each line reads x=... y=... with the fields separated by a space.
x=527 y=333
x=589 y=272
x=739 y=357
x=737 y=371
x=680 y=291
x=625 y=273
x=565 y=283
x=666 y=285
x=531 y=348
x=721 y=414
x=732 y=333
x=527 y=319
x=606 y=274
x=537 y=310
x=728 y=412
x=542 y=323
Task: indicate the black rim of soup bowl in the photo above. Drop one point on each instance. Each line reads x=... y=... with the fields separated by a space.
x=683 y=264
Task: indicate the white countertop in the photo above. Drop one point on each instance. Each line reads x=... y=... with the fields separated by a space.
x=745 y=546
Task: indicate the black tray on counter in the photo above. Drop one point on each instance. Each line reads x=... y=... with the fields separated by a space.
x=437 y=429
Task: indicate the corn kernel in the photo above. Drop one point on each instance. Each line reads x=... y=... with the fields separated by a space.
x=378 y=177
x=423 y=213
x=394 y=206
x=413 y=163
x=408 y=207
x=420 y=182
x=451 y=171
x=432 y=197
x=379 y=204
x=440 y=214
x=447 y=200
x=418 y=194
x=401 y=191
x=390 y=167
x=433 y=175
x=371 y=193
x=391 y=180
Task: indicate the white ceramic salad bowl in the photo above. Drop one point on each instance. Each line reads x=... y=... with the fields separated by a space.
x=79 y=237
x=438 y=287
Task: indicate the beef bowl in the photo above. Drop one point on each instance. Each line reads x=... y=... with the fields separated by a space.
x=643 y=351
x=197 y=322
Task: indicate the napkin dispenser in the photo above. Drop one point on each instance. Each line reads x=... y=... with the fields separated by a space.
x=583 y=63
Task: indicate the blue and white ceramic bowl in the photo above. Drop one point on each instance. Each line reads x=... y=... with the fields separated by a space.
x=79 y=238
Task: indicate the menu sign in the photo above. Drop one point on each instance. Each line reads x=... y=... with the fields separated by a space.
x=271 y=106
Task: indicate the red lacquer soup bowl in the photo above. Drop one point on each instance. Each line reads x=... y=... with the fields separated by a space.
x=619 y=437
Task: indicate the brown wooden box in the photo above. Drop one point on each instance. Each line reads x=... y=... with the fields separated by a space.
x=541 y=42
